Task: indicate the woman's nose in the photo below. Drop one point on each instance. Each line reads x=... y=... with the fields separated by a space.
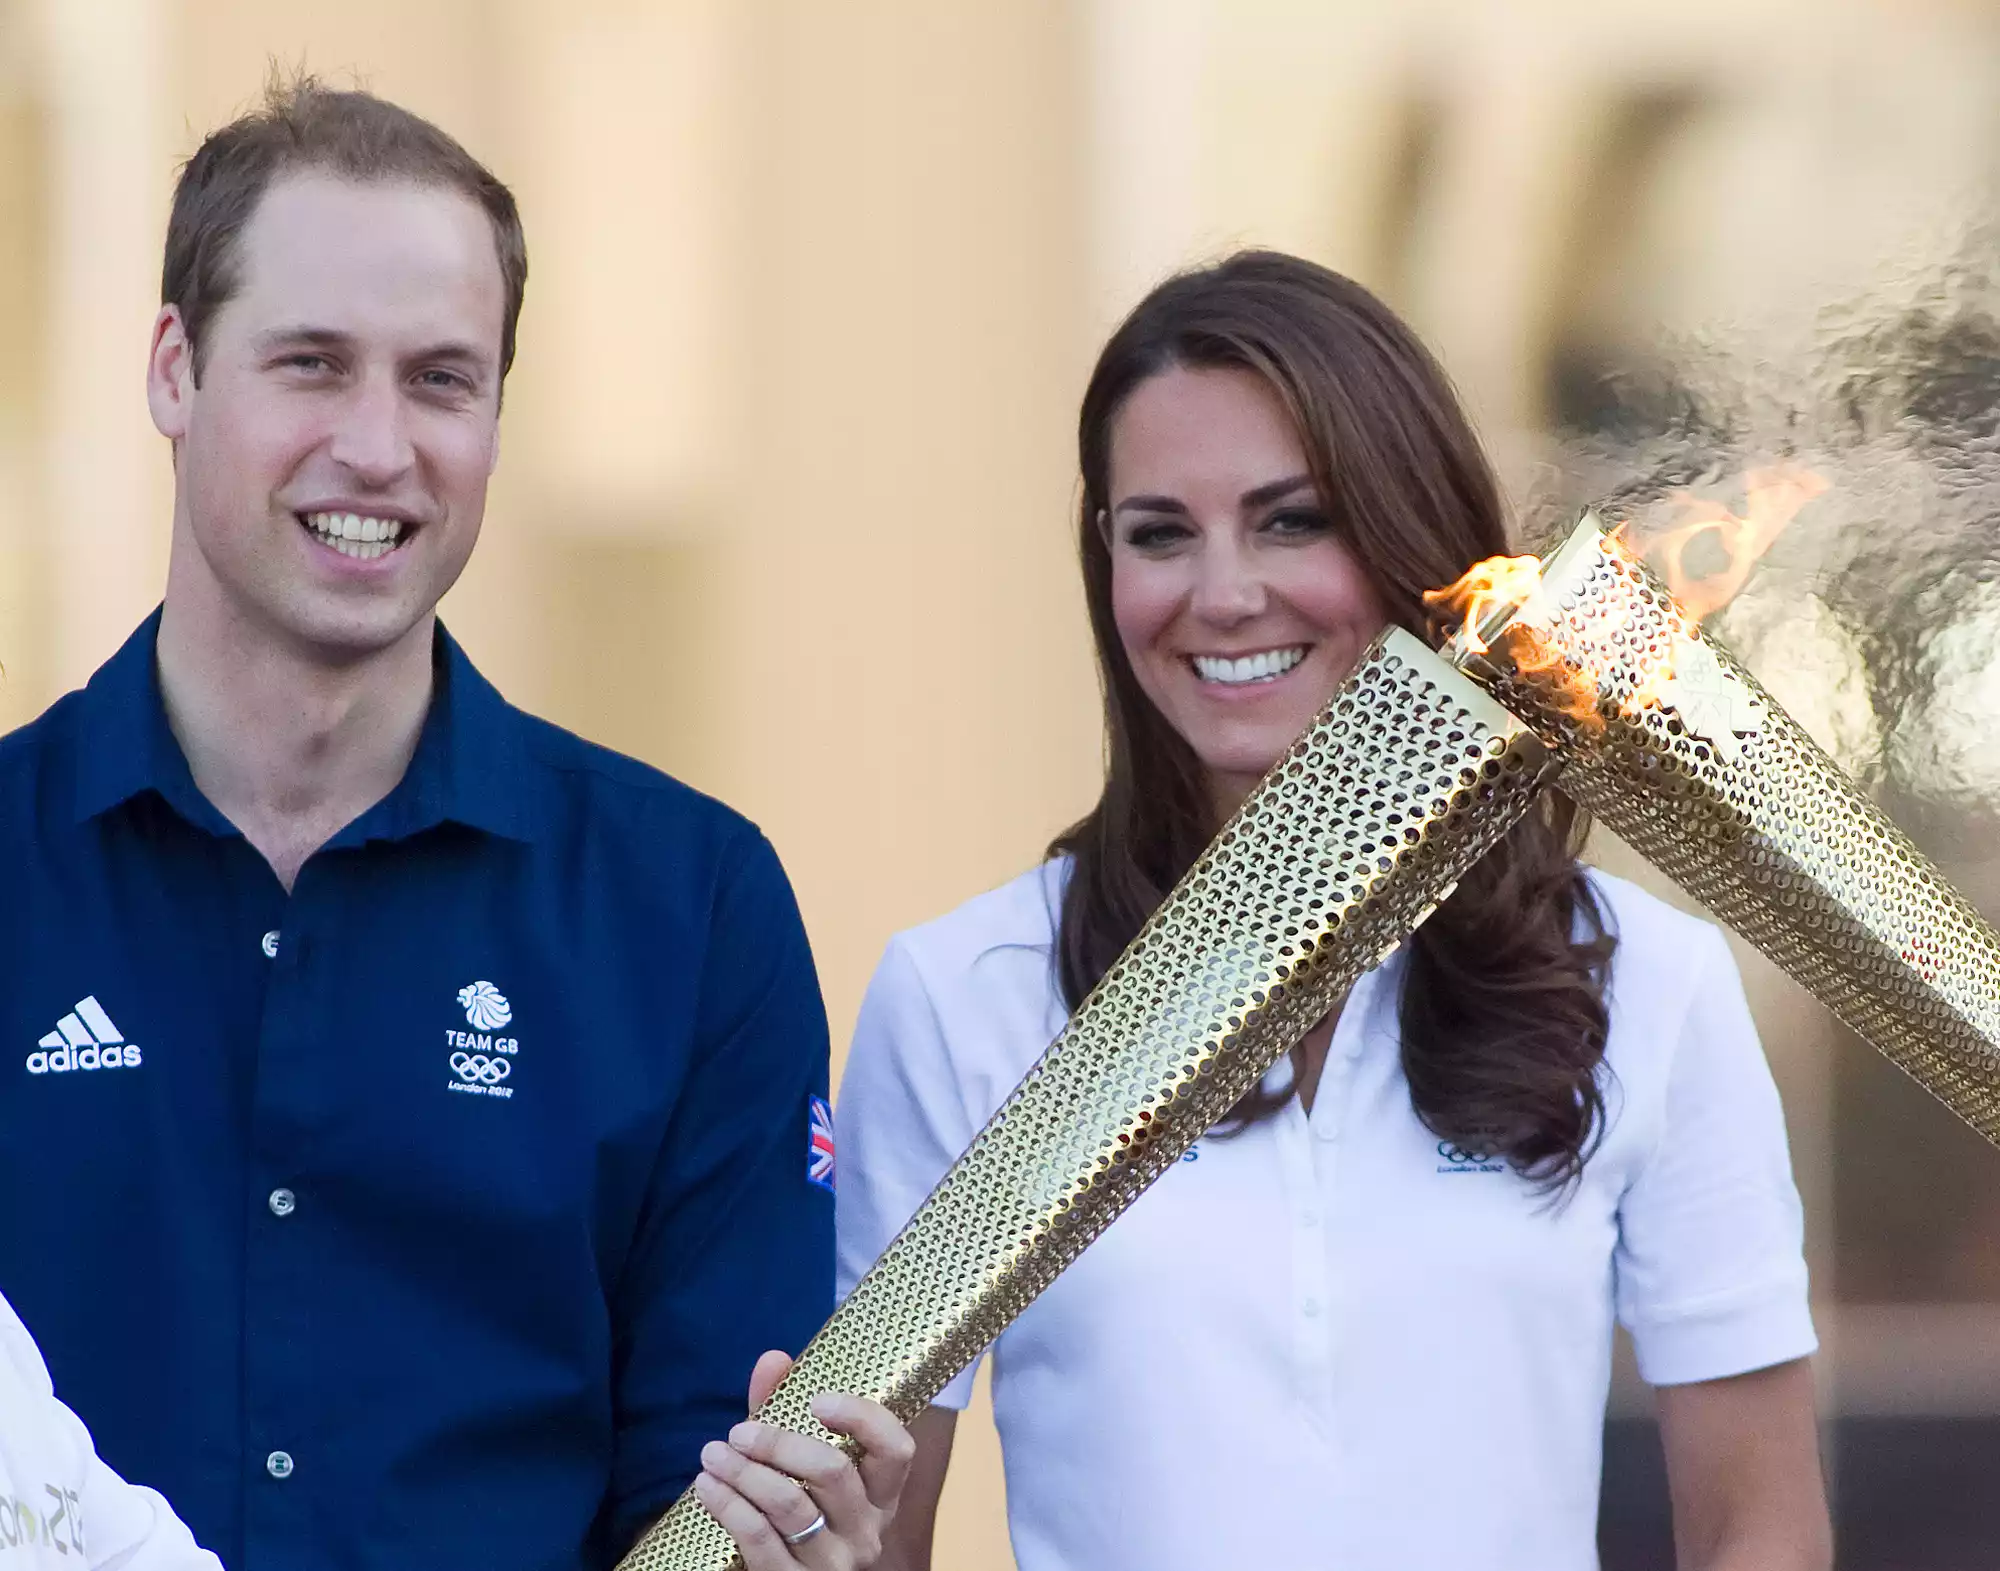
x=1228 y=589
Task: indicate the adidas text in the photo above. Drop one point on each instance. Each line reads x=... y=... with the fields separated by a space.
x=64 y=1059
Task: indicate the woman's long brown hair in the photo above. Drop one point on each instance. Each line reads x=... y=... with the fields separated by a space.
x=1502 y=1009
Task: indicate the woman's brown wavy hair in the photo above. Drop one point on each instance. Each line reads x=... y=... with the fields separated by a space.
x=1503 y=1013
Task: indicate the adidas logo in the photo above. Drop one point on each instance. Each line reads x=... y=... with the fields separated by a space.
x=84 y=1040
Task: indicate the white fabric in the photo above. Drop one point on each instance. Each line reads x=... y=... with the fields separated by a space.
x=1329 y=1341
x=59 y=1504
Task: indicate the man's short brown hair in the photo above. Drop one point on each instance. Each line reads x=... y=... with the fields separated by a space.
x=304 y=125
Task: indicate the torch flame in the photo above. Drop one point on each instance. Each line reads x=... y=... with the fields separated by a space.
x=1486 y=600
x=1489 y=592
x=1773 y=498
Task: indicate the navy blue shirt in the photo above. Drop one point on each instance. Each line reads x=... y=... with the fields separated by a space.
x=434 y=1214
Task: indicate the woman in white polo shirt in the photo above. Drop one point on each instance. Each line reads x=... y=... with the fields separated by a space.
x=1367 y=1322
x=59 y=1504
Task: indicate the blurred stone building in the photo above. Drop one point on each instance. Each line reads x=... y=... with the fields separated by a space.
x=785 y=499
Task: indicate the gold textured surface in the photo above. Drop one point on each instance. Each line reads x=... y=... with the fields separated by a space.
x=1701 y=772
x=1403 y=782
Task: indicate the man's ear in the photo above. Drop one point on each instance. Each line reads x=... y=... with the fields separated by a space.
x=170 y=384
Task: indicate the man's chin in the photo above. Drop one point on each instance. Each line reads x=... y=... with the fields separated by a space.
x=339 y=638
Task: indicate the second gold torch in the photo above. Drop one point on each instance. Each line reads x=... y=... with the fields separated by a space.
x=1675 y=746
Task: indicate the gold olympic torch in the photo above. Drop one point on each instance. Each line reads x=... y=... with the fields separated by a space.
x=1676 y=747
x=1409 y=775
x=1418 y=765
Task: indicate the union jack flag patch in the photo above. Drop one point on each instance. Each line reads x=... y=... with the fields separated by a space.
x=819 y=1145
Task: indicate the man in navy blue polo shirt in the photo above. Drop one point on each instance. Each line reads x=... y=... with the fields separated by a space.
x=411 y=1135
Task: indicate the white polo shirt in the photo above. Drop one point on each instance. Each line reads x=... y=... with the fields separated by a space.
x=59 y=1504
x=1336 y=1340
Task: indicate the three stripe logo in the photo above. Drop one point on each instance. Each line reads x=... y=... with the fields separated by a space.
x=83 y=1040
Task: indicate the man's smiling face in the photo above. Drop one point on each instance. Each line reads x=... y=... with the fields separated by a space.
x=332 y=457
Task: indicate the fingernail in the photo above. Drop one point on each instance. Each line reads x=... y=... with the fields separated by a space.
x=826 y=1406
x=746 y=1435
x=717 y=1455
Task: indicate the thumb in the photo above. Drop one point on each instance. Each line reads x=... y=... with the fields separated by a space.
x=771 y=1368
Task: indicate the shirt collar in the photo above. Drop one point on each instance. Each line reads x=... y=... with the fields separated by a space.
x=470 y=764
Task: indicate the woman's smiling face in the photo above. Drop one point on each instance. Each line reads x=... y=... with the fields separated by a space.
x=1237 y=599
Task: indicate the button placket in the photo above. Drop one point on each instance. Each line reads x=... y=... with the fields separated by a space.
x=1312 y=1325
x=1323 y=1160
x=279 y=1303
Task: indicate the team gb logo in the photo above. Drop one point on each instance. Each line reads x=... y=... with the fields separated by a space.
x=486 y=1007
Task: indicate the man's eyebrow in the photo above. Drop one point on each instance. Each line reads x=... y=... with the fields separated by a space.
x=455 y=349
x=303 y=333
x=1258 y=496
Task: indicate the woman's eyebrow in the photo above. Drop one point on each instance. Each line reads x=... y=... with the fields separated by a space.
x=1258 y=496
x=1151 y=504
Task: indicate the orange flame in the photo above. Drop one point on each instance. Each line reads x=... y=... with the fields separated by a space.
x=1773 y=498
x=1500 y=585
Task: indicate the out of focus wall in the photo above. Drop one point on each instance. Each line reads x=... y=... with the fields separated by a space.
x=784 y=504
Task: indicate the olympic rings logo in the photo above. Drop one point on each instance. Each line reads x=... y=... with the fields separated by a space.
x=1459 y=1154
x=477 y=1066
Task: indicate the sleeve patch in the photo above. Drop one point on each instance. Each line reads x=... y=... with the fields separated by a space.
x=819 y=1145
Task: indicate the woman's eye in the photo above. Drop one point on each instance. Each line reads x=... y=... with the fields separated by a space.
x=1297 y=522
x=1158 y=535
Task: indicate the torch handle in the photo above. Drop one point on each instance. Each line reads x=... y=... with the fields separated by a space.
x=1404 y=781
x=1792 y=856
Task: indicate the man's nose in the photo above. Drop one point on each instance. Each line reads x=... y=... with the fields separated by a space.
x=1228 y=588
x=372 y=438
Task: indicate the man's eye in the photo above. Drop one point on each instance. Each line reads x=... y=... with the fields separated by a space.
x=308 y=362
x=445 y=382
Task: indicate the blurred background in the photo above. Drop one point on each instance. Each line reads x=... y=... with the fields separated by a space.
x=785 y=499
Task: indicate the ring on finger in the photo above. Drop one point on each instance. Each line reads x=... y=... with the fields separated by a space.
x=811 y=1530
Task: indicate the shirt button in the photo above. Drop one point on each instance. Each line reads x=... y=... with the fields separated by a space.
x=271 y=944
x=279 y=1464
x=1309 y=1219
x=1311 y=1308
x=282 y=1203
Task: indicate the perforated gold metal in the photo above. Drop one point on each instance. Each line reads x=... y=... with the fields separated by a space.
x=1404 y=781
x=1700 y=771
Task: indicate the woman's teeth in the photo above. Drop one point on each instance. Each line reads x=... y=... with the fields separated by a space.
x=353 y=534
x=1272 y=663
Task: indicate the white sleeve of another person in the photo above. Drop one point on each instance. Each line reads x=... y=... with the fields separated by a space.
x=900 y=1121
x=45 y=1450
x=1710 y=1263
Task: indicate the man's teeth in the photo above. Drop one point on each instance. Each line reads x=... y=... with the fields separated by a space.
x=354 y=534
x=1249 y=668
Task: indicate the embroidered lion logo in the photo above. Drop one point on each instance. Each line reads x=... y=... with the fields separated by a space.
x=485 y=1006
